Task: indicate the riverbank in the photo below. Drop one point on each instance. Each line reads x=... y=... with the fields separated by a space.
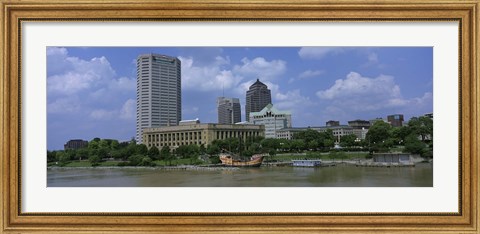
x=165 y=168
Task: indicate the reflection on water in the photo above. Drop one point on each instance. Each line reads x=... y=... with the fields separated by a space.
x=339 y=176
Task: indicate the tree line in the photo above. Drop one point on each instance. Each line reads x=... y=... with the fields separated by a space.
x=415 y=137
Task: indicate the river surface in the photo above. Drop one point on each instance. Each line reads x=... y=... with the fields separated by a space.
x=340 y=176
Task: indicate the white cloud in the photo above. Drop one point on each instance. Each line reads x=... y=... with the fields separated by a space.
x=102 y=114
x=123 y=84
x=70 y=104
x=319 y=52
x=70 y=75
x=217 y=75
x=358 y=93
x=292 y=100
x=87 y=87
x=261 y=68
x=209 y=77
x=56 y=51
x=128 y=111
x=310 y=74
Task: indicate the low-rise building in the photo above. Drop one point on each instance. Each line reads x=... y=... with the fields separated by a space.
x=273 y=120
x=337 y=131
x=198 y=134
x=75 y=144
x=360 y=128
x=395 y=120
x=332 y=123
x=288 y=133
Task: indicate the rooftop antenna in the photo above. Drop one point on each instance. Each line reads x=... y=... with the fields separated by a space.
x=223 y=89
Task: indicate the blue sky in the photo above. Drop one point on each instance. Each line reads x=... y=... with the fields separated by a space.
x=91 y=90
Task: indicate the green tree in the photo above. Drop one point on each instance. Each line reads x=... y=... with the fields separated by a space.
x=193 y=153
x=233 y=144
x=165 y=154
x=141 y=149
x=297 y=145
x=146 y=162
x=284 y=144
x=135 y=160
x=153 y=153
x=377 y=136
x=94 y=160
x=202 y=149
x=328 y=143
x=82 y=153
x=414 y=145
x=51 y=156
x=114 y=145
x=422 y=126
x=63 y=158
x=313 y=144
x=398 y=134
x=348 y=140
x=212 y=149
x=270 y=143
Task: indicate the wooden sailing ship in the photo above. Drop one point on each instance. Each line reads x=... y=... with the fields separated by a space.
x=229 y=160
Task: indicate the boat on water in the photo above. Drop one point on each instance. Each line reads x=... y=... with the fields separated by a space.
x=230 y=161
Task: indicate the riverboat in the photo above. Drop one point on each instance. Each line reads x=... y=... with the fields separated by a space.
x=230 y=161
x=307 y=163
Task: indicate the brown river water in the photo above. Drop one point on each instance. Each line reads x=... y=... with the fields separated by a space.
x=339 y=176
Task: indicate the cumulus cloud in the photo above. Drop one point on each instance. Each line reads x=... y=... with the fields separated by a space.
x=261 y=68
x=88 y=87
x=209 y=77
x=358 y=93
x=128 y=111
x=319 y=52
x=70 y=75
x=69 y=104
x=220 y=75
x=310 y=74
x=292 y=100
x=102 y=114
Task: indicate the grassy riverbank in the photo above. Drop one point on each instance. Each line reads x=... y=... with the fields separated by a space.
x=112 y=163
x=318 y=155
x=330 y=156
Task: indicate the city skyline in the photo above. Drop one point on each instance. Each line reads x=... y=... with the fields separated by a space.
x=92 y=89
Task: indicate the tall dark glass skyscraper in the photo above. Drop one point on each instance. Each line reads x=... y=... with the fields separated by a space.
x=159 y=94
x=258 y=96
x=229 y=110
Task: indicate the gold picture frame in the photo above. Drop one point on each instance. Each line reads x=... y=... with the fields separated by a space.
x=14 y=13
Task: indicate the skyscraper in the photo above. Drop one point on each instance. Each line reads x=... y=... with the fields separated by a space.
x=159 y=94
x=229 y=110
x=258 y=97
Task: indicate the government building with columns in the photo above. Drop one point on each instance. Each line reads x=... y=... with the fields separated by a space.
x=194 y=132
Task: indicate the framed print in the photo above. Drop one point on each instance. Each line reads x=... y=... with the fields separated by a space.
x=253 y=116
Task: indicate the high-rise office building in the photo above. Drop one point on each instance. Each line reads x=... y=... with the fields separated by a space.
x=159 y=94
x=229 y=110
x=258 y=97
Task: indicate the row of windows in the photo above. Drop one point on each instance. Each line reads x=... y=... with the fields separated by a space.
x=183 y=136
